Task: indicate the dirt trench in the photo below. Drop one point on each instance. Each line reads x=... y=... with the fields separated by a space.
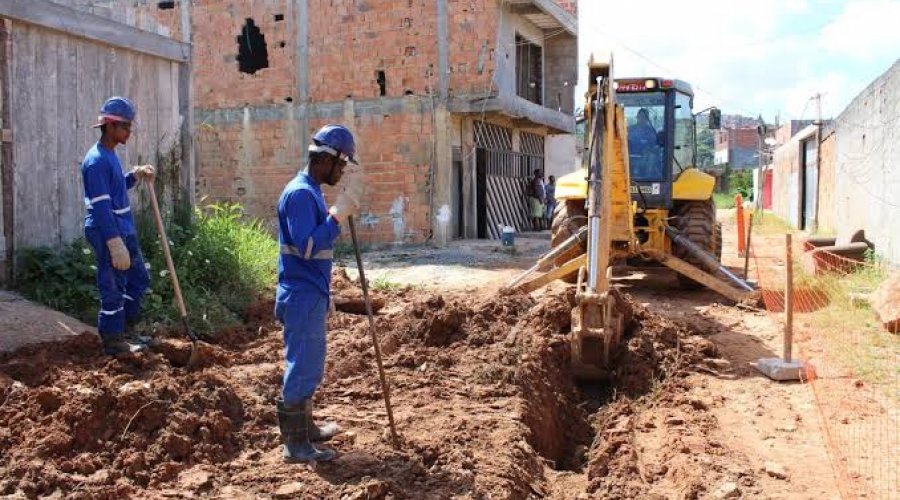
x=484 y=401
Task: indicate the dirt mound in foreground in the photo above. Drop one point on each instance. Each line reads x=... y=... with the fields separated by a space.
x=483 y=399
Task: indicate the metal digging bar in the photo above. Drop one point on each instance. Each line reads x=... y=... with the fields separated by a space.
x=385 y=388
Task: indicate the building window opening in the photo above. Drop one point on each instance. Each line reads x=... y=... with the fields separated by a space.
x=529 y=70
x=252 y=52
x=382 y=82
x=165 y=5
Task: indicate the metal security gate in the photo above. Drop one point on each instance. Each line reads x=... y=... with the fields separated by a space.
x=502 y=177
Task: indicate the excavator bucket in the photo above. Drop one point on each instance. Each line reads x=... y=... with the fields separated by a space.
x=599 y=322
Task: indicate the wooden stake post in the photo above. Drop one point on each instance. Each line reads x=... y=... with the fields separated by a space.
x=788 y=299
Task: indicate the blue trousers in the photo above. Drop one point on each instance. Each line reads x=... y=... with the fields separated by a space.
x=551 y=206
x=304 y=318
x=121 y=292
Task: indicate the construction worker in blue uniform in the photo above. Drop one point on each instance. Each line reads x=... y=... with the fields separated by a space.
x=109 y=227
x=307 y=230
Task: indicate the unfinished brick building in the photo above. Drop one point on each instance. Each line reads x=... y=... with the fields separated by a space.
x=452 y=101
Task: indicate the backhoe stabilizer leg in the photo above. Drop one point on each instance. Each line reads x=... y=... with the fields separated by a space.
x=701 y=276
x=709 y=260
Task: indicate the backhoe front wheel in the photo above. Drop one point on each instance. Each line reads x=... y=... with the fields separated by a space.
x=696 y=220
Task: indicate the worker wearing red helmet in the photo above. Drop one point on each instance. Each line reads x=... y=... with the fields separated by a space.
x=307 y=230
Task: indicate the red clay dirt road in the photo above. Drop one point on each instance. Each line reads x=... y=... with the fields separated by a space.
x=483 y=400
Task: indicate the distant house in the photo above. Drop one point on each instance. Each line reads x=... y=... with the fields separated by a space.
x=772 y=143
x=737 y=148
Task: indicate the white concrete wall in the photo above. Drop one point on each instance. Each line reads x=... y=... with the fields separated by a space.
x=867 y=177
x=559 y=155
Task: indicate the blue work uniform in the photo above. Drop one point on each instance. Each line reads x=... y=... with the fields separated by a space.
x=306 y=234
x=109 y=216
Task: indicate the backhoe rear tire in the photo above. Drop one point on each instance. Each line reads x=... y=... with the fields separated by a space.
x=568 y=217
x=697 y=221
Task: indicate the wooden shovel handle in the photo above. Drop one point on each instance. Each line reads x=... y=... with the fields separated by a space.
x=165 y=244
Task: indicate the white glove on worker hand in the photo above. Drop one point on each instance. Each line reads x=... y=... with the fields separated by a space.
x=144 y=172
x=344 y=206
x=121 y=260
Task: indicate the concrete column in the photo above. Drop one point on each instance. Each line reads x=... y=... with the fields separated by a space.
x=441 y=214
x=301 y=9
x=443 y=50
x=443 y=176
x=469 y=191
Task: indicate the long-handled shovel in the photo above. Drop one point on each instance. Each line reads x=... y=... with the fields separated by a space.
x=386 y=391
x=178 y=297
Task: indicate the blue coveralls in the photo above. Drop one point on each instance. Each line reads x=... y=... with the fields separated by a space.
x=109 y=215
x=306 y=234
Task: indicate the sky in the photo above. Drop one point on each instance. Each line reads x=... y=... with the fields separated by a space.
x=748 y=57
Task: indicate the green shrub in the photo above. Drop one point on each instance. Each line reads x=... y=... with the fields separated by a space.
x=224 y=263
x=741 y=181
x=723 y=200
x=64 y=279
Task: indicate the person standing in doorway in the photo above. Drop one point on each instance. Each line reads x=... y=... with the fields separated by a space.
x=550 y=190
x=122 y=278
x=307 y=231
x=536 y=197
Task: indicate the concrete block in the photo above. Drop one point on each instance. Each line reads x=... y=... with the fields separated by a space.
x=779 y=369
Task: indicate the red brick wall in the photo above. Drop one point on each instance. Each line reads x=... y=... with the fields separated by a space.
x=350 y=41
x=744 y=138
x=472 y=32
x=569 y=5
x=399 y=167
x=247 y=166
x=736 y=138
x=217 y=81
x=251 y=165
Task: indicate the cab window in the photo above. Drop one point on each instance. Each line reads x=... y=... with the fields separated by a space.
x=683 y=148
x=645 y=113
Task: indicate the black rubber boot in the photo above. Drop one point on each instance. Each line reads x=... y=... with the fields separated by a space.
x=114 y=345
x=319 y=433
x=135 y=338
x=294 y=424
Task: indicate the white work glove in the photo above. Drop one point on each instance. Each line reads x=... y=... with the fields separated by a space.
x=144 y=172
x=121 y=260
x=344 y=206
x=347 y=202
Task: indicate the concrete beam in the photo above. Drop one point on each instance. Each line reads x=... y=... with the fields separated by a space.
x=80 y=24
x=328 y=110
x=525 y=8
x=560 y=15
x=517 y=107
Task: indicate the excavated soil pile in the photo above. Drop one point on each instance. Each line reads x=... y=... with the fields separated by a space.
x=483 y=401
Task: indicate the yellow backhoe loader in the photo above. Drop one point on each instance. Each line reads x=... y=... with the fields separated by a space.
x=638 y=200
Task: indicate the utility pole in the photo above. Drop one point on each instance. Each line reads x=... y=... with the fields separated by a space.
x=818 y=123
x=818 y=98
x=761 y=131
